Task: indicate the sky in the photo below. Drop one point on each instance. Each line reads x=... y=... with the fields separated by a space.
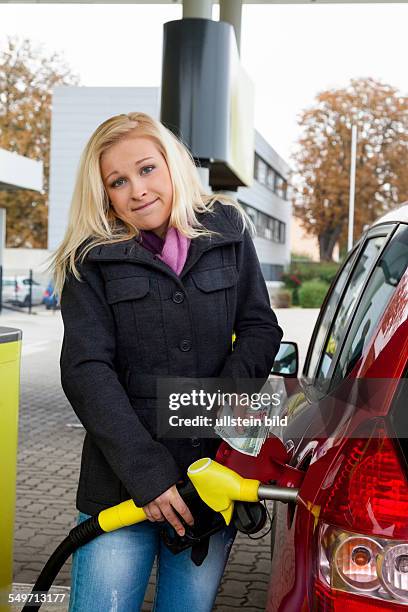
x=290 y=52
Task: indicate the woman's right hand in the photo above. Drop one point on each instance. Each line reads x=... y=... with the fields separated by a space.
x=162 y=508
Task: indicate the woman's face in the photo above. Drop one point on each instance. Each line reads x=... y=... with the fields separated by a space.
x=138 y=184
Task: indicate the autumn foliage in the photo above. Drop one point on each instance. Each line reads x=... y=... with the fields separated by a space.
x=322 y=159
x=27 y=78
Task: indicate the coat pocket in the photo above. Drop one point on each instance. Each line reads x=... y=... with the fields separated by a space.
x=122 y=294
x=123 y=289
x=215 y=280
x=138 y=314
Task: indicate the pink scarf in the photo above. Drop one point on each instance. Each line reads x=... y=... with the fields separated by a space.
x=173 y=250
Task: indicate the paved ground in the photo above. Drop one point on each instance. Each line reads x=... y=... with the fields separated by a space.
x=48 y=465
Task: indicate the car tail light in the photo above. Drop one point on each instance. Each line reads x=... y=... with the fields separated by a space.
x=356 y=564
x=362 y=540
x=393 y=570
x=370 y=491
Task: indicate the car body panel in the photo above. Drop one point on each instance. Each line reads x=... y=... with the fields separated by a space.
x=321 y=420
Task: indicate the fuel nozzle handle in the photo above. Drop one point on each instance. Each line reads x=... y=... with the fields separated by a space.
x=219 y=487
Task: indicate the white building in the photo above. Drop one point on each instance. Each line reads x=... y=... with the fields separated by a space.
x=16 y=172
x=19 y=172
x=77 y=111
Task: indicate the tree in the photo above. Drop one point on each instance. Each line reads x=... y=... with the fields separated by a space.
x=322 y=159
x=27 y=78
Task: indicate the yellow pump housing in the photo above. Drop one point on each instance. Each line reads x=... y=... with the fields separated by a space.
x=10 y=351
x=219 y=487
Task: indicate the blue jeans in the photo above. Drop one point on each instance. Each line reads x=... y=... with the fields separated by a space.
x=111 y=573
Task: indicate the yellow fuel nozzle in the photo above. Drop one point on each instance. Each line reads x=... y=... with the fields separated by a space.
x=122 y=515
x=219 y=487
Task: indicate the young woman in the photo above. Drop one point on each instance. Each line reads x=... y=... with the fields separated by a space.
x=155 y=276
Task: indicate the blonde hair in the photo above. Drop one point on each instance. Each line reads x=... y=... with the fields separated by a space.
x=92 y=219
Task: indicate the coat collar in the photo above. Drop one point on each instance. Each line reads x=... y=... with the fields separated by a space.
x=218 y=222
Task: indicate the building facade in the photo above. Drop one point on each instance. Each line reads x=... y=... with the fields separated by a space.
x=16 y=172
x=267 y=203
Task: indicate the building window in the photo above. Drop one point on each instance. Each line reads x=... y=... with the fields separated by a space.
x=280 y=187
x=266 y=226
x=251 y=212
x=261 y=170
x=276 y=232
x=282 y=232
x=267 y=176
x=272 y=272
x=271 y=179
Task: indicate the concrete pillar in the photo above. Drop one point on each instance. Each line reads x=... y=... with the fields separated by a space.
x=198 y=8
x=231 y=12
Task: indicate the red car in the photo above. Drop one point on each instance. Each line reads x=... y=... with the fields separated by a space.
x=344 y=546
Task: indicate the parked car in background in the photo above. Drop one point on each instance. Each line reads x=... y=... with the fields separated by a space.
x=16 y=291
x=344 y=546
x=51 y=301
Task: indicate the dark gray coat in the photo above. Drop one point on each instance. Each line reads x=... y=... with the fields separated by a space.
x=131 y=320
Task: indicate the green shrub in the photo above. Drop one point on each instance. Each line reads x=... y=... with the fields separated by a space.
x=306 y=271
x=300 y=256
x=300 y=274
x=327 y=271
x=312 y=293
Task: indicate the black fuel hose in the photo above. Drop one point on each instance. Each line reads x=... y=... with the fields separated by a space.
x=91 y=528
x=77 y=537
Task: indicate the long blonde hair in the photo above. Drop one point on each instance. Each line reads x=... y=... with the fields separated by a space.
x=92 y=219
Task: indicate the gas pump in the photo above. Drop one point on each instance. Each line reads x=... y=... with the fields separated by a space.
x=10 y=351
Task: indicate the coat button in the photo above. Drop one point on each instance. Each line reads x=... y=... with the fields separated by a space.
x=178 y=297
x=185 y=345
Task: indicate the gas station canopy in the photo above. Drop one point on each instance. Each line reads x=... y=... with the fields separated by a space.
x=214 y=1
x=18 y=172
